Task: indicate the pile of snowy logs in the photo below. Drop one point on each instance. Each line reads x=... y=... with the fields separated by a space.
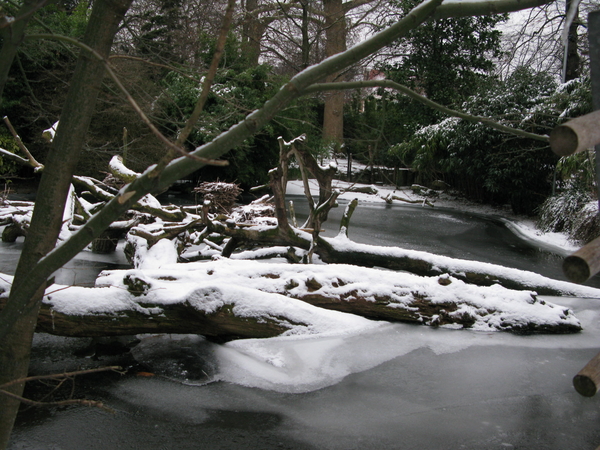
x=221 y=196
x=193 y=270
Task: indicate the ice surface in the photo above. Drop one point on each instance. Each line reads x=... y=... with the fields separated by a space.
x=389 y=386
x=285 y=365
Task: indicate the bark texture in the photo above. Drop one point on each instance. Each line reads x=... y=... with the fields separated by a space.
x=20 y=316
x=335 y=32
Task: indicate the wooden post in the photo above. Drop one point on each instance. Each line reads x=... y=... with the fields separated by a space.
x=576 y=135
x=594 y=42
x=584 y=263
x=586 y=382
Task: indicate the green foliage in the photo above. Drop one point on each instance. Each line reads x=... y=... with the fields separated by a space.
x=490 y=166
x=448 y=58
x=7 y=142
x=234 y=94
x=160 y=22
x=577 y=171
x=38 y=80
x=572 y=211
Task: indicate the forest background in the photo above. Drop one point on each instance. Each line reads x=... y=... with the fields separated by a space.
x=273 y=54
x=511 y=70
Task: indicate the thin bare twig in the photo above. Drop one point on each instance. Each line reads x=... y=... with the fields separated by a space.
x=210 y=76
x=73 y=401
x=55 y=376
x=130 y=99
x=61 y=377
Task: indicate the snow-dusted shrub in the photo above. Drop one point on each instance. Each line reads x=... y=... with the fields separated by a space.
x=574 y=212
x=586 y=226
x=490 y=166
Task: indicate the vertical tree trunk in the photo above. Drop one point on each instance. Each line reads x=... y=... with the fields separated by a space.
x=20 y=315
x=305 y=36
x=572 y=63
x=12 y=36
x=333 y=117
x=252 y=32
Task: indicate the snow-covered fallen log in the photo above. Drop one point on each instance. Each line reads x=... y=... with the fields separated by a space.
x=180 y=306
x=227 y=299
x=341 y=250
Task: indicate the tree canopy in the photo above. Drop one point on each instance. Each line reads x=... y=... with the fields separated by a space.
x=87 y=91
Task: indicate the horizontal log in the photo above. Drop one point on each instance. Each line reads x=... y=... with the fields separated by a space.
x=584 y=263
x=576 y=135
x=178 y=318
x=230 y=299
x=395 y=258
x=586 y=382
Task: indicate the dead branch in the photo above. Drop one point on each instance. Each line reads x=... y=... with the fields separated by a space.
x=59 y=377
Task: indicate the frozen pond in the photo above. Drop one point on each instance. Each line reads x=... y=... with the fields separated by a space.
x=395 y=386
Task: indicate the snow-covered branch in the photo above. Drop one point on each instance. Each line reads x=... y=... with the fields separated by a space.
x=388 y=84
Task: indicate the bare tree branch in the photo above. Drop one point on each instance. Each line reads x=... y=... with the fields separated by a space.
x=130 y=99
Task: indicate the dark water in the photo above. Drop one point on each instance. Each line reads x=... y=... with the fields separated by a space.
x=427 y=389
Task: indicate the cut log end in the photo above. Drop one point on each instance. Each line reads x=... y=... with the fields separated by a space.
x=576 y=269
x=587 y=380
x=564 y=141
x=585 y=385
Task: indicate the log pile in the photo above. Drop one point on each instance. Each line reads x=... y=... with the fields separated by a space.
x=263 y=230
x=221 y=196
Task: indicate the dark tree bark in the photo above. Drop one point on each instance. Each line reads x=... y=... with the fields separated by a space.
x=20 y=316
x=253 y=29
x=333 y=116
x=573 y=61
x=12 y=36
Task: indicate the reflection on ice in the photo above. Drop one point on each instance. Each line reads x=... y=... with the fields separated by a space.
x=397 y=386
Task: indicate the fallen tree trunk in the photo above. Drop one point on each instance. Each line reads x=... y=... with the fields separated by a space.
x=180 y=318
x=228 y=299
x=341 y=250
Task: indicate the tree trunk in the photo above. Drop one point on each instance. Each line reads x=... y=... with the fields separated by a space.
x=572 y=63
x=305 y=36
x=398 y=259
x=333 y=116
x=21 y=315
x=252 y=31
x=395 y=299
x=12 y=36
